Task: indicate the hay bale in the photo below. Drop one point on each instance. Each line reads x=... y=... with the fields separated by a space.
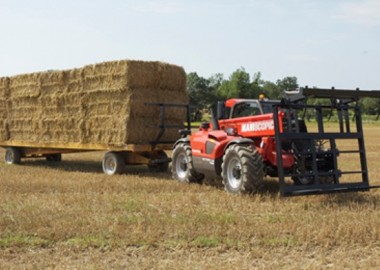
x=4 y=87
x=4 y=91
x=52 y=82
x=24 y=85
x=97 y=104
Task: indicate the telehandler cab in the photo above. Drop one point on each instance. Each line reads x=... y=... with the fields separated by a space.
x=249 y=139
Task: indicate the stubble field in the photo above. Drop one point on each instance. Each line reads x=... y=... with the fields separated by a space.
x=72 y=216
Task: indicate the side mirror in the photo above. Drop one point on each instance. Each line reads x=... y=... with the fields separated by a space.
x=221 y=109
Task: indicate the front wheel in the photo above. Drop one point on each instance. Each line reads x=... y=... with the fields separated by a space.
x=12 y=155
x=113 y=163
x=182 y=165
x=242 y=169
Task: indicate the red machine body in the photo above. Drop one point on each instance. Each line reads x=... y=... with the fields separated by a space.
x=252 y=125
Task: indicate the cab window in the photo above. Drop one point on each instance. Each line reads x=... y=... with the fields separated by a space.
x=267 y=107
x=245 y=109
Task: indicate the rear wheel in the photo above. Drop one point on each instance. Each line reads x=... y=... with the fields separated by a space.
x=182 y=165
x=113 y=163
x=161 y=162
x=242 y=169
x=12 y=155
x=54 y=157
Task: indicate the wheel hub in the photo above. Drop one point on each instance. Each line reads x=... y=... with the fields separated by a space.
x=181 y=166
x=110 y=165
x=9 y=157
x=234 y=173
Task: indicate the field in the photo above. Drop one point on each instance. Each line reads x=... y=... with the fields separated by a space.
x=70 y=215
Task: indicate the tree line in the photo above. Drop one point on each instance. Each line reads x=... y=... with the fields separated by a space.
x=205 y=92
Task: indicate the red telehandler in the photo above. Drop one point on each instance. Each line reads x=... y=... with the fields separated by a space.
x=249 y=139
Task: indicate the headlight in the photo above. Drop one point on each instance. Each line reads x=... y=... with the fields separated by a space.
x=231 y=131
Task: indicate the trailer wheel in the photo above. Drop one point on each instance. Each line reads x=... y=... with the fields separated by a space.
x=113 y=163
x=242 y=169
x=162 y=165
x=54 y=158
x=12 y=155
x=182 y=165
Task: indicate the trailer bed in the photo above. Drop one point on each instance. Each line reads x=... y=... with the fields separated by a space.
x=78 y=147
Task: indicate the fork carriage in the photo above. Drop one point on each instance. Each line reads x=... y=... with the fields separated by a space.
x=319 y=151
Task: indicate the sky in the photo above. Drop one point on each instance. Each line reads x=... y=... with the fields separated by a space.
x=323 y=43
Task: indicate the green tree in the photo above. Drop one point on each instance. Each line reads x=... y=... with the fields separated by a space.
x=203 y=93
x=206 y=92
x=271 y=90
x=370 y=106
x=238 y=86
x=256 y=85
x=287 y=84
x=215 y=82
x=198 y=90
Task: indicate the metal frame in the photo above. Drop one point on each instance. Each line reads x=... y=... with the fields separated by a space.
x=163 y=126
x=341 y=101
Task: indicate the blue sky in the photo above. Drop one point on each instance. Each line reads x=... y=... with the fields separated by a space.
x=323 y=43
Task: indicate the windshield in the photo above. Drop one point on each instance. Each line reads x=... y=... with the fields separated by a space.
x=267 y=107
x=246 y=109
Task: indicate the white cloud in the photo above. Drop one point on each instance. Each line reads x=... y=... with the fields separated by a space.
x=160 y=7
x=366 y=12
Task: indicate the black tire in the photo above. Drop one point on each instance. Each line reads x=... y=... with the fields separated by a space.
x=161 y=166
x=113 y=163
x=303 y=180
x=54 y=158
x=242 y=169
x=300 y=169
x=12 y=155
x=182 y=165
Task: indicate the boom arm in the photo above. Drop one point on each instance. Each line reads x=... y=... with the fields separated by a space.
x=332 y=93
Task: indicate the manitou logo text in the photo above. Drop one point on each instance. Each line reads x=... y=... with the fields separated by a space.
x=258 y=126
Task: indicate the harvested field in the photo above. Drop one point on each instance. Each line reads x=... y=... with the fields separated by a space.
x=103 y=103
x=71 y=216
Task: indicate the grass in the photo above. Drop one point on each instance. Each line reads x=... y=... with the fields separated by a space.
x=72 y=216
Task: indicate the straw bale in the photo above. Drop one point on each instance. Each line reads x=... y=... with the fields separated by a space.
x=144 y=119
x=4 y=92
x=108 y=77
x=21 y=107
x=171 y=78
x=4 y=87
x=74 y=80
x=24 y=85
x=52 y=82
x=142 y=75
x=103 y=103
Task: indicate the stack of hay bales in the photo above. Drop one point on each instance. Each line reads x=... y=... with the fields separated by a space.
x=98 y=104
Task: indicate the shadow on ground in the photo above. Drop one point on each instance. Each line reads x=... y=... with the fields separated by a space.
x=92 y=166
x=352 y=199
